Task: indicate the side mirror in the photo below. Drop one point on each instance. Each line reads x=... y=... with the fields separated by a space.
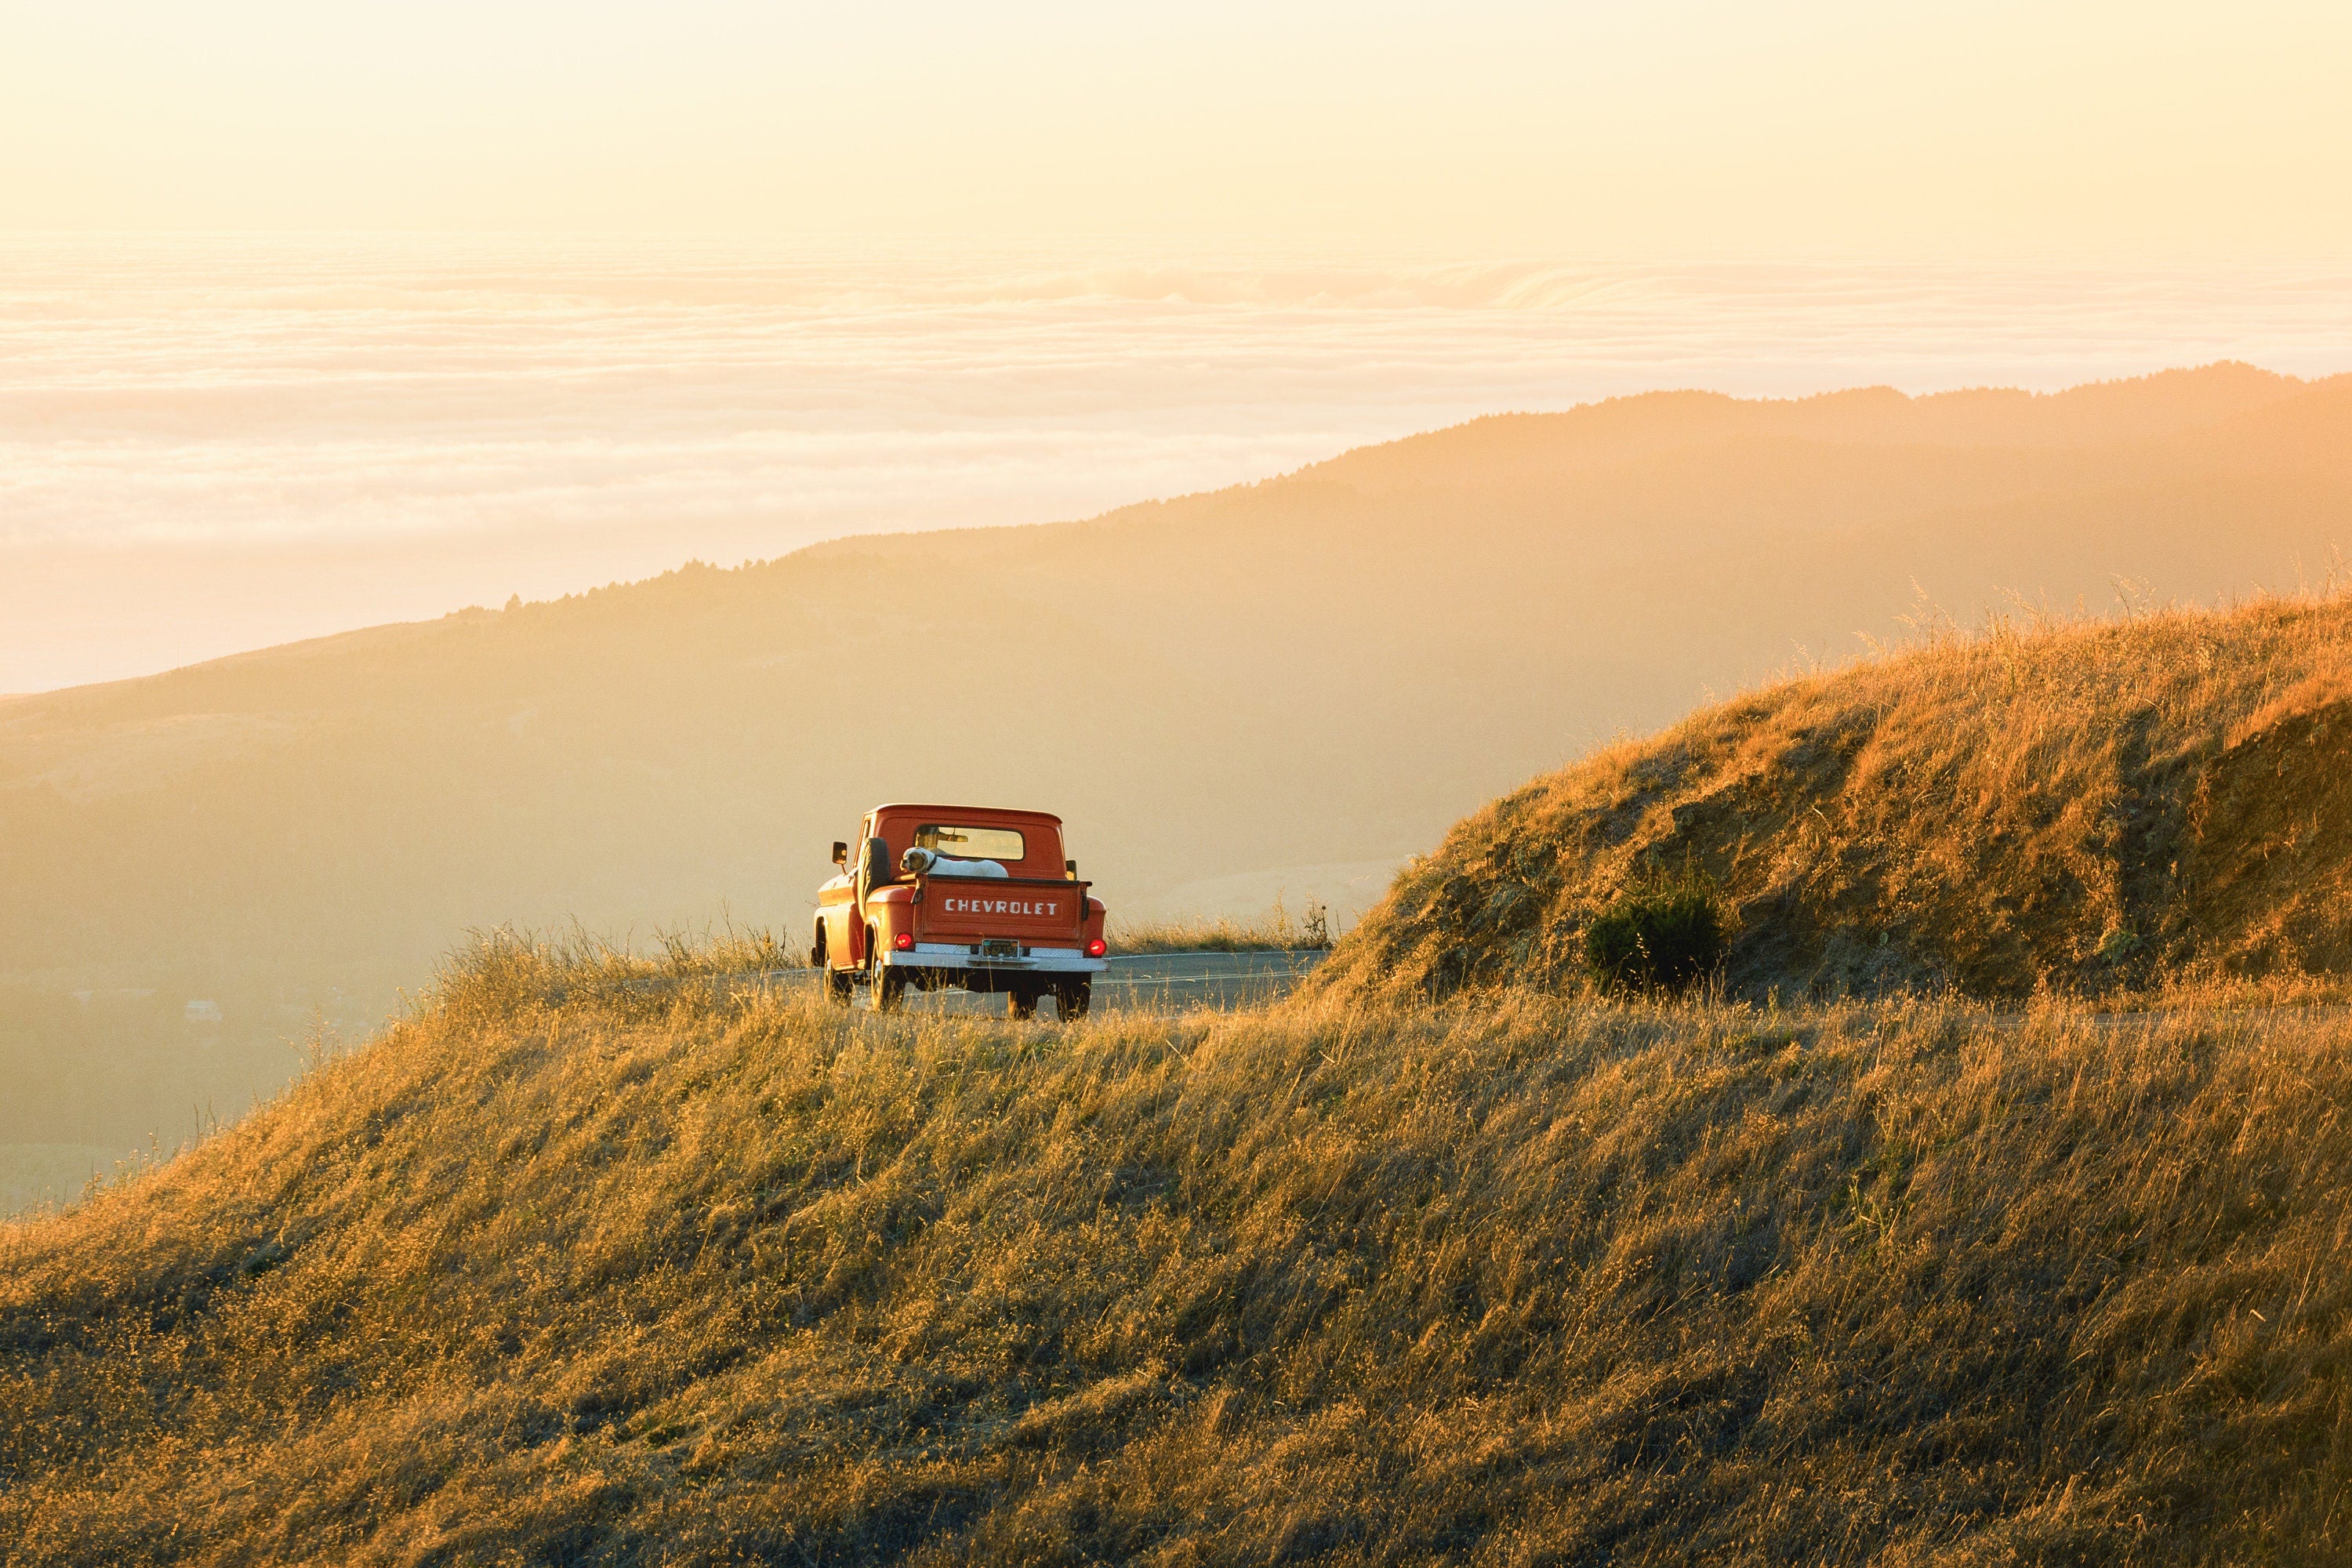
x=1072 y=868
x=841 y=853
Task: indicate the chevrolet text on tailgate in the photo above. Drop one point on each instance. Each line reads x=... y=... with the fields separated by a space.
x=942 y=897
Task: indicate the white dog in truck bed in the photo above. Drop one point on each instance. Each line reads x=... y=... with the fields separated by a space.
x=932 y=863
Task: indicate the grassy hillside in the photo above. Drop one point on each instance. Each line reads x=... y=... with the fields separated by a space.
x=1283 y=686
x=2090 y=806
x=576 y=1268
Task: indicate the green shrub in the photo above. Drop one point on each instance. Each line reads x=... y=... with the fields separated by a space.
x=1658 y=938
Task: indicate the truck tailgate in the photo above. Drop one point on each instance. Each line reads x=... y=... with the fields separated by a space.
x=975 y=908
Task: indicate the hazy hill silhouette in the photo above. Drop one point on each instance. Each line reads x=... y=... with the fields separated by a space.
x=1318 y=672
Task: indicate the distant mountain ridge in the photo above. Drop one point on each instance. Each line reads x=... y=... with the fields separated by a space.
x=1622 y=428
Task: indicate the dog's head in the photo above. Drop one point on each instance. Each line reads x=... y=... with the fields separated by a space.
x=917 y=861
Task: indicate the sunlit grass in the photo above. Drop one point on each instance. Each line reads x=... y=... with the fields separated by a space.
x=2094 y=808
x=568 y=1267
x=1276 y=931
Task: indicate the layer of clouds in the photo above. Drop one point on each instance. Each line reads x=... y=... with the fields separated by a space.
x=534 y=415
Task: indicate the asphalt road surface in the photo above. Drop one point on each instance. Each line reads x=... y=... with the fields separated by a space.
x=1153 y=982
x=1180 y=980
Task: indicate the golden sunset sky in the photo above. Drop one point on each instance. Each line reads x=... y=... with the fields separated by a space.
x=1686 y=126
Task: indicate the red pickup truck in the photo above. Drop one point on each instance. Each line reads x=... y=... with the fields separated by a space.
x=942 y=897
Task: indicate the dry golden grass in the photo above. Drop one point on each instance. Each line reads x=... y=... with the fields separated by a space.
x=570 y=1270
x=2094 y=808
x=1276 y=931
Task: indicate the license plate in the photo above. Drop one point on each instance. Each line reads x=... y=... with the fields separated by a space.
x=1000 y=947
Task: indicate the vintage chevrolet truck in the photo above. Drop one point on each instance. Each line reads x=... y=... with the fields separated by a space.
x=941 y=897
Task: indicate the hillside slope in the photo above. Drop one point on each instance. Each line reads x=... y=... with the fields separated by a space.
x=1287 y=686
x=2086 y=806
x=573 y=1269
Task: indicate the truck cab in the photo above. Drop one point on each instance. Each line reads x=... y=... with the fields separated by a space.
x=958 y=897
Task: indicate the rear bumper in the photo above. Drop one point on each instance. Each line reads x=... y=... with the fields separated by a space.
x=1058 y=963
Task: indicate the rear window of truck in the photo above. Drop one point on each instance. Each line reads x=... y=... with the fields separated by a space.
x=972 y=843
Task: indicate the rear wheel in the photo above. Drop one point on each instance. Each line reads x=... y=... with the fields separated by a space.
x=1020 y=1004
x=886 y=990
x=835 y=980
x=1072 y=997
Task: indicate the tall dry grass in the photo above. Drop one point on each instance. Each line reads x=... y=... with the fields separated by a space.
x=568 y=1271
x=2091 y=806
x=1276 y=931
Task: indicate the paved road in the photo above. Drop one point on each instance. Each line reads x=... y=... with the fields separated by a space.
x=1156 y=982
x=1177 y=981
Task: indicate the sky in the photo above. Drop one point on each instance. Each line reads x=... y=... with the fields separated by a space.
x=318 y=315
x=1678 y=127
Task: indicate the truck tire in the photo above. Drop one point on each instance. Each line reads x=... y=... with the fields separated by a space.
x=837 y=987
x=886 y=989
x=1020 y=1004
x=1072 y=998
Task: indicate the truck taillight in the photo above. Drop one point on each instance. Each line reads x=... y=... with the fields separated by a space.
x=1097 y=948
x=904 y=942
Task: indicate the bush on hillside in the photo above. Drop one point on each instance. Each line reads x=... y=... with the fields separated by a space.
x=1658 y=938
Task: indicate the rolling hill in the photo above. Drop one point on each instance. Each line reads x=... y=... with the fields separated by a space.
x=1292 y=685
x=2118 y=805
x=570 y=1269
